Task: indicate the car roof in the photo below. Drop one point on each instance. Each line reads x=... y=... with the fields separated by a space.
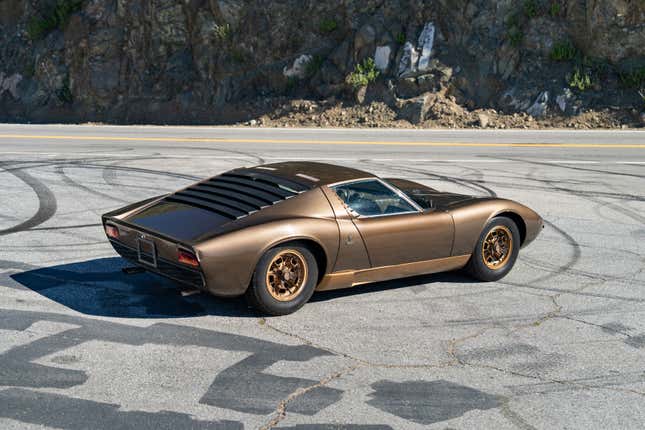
x=312 y=174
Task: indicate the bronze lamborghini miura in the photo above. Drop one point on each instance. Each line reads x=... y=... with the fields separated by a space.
x=278 y=232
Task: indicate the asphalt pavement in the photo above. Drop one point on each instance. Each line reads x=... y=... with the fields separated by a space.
x=558 y=343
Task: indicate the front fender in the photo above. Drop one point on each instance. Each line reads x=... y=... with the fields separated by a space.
x=471 y=219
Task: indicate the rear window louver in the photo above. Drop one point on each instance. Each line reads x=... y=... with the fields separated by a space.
x=238 y=193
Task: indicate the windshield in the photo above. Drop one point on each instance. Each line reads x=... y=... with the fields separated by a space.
x=372 y=198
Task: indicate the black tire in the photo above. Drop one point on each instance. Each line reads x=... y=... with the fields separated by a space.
x=258 y=294
x=477 y=267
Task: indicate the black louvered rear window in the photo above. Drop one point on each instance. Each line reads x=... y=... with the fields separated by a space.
x=238 y=193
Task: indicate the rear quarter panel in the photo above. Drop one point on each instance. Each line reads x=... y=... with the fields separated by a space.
x=228 y=259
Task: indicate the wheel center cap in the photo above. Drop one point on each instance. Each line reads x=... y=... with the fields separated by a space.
x=287 y=275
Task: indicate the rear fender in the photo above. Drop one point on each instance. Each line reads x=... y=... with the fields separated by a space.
x=228 y=261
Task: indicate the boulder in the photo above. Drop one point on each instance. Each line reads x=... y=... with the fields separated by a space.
x=539 y=108
x=299 y=67
x=483 y=120
x=382 y=58
x=415 y=110
x=425 y=43
x=10 y=84
x=416 y=59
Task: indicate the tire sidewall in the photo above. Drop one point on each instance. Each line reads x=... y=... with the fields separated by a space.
x=481 y=270
x=268 y=303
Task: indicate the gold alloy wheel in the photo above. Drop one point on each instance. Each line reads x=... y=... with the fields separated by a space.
x=287 y=275
x=497 y=247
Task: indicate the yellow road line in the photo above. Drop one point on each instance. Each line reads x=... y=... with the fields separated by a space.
x=321 y=142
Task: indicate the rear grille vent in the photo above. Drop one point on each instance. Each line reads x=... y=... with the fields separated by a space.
x=238 y=193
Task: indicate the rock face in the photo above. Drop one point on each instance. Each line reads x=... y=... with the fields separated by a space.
x=199 y=61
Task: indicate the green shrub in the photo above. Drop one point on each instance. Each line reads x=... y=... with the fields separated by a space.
x=531 y=8
x=634 y=78
x=563 y=51
x=580 y=79
x=328 y=25
x=400 y=38
x=55 y=17
x=363 y=74
x=555 y=9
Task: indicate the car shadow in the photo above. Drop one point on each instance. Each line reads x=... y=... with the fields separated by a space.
x=99 y=287
x=412 y=281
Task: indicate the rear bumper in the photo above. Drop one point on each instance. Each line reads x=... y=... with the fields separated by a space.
x=166 y=268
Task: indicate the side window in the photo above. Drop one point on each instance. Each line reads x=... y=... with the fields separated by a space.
x=371 y=197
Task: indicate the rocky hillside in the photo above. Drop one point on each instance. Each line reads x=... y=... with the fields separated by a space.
x=346 y=62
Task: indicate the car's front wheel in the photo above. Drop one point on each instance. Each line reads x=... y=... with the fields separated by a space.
x=496 y=250
x=284 y=280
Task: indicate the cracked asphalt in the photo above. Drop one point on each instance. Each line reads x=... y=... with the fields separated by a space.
x=558 y=343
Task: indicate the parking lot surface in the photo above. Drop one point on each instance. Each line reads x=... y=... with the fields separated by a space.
x=558 y=343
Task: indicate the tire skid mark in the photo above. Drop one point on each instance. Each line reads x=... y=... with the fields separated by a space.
x=570 y=167
x=51 y=162
x=562 y=291
x=60 y=170
x=594 y=198
x=558 y=269
x=540 y=265
x=138 y=170
x=258 y=159
x=578 y=193
x=110 y=175
x=553 y=185
x=629 y=213
x=55 y=245
x=110 y=170
x=47 y=204
x=470 y=184
x=67 y=227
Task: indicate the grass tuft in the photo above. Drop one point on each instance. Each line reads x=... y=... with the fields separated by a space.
x=580 y=79
x=328 y=25
x=563 y=51
x=363 y=74
x=223 y=32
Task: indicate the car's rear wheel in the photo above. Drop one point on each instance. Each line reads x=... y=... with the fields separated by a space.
x=284 y=280
x=496 y=250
